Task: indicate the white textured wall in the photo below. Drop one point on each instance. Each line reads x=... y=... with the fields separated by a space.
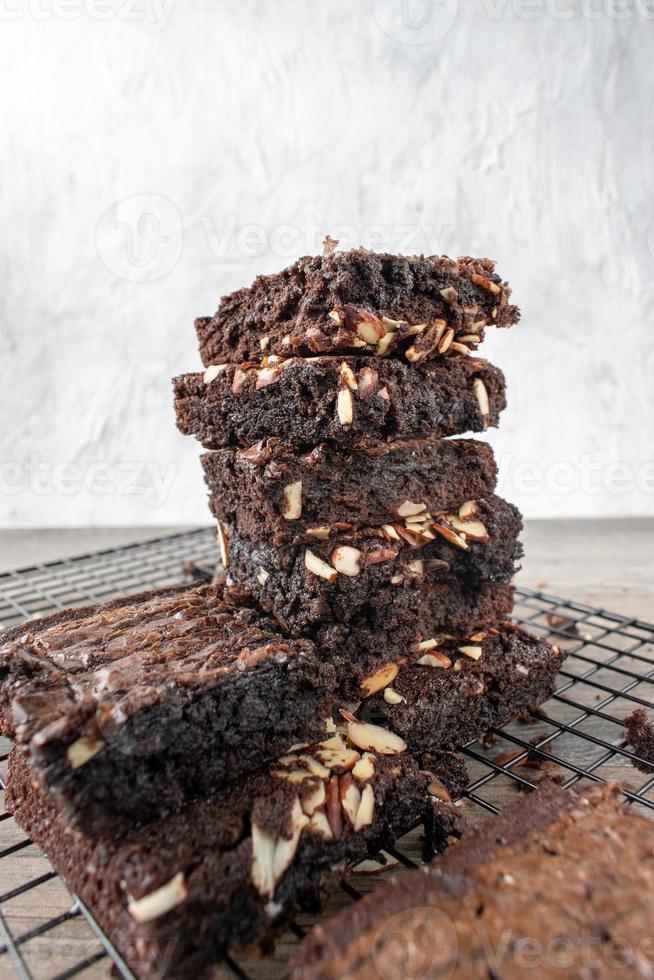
x=158 y=153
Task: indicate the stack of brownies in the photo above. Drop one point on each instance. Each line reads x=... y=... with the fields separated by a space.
x=201 y=760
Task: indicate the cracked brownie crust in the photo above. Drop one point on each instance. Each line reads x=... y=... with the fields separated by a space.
x=274 y=494
x=357 y=402
x=462 y=686
x=566 y=875
x=229 y=870
x=131 y=707
x=335 y=577
x=359 y=301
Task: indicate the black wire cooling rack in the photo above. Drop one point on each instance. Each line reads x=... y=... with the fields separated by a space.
x=46 y=933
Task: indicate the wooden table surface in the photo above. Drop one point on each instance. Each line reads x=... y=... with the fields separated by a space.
x=608 y=564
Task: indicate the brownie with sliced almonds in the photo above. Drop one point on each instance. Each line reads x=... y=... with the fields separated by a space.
x=559 y=884
x=360 y=401
x=131 y=707
x=336 y=575
x=274 y=494
x=463 y=685
x=358 y=301
x=228 y=871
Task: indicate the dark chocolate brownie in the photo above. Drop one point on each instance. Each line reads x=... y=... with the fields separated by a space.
x=641 y=739
x=559 y=885
x=462 y=686
x=334 y=577
x=361 y=401
x=274 y=494
x=229 y=870
x=394 y=305
x=134 y=706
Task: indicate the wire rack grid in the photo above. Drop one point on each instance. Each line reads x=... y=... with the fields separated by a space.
x=45 y=932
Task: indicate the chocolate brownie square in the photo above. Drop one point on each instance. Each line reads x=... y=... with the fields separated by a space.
x=403 y=306
x=130 y=708
x=336 y=575
x=229 y=870
x=560 y=884
x=361 y=401
x=276 y=495
x=461 y=686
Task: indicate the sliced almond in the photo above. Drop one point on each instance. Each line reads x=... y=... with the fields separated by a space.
x=314 y=799
x=450 y=535
x=374 y=738
x=410 y=507
x=238 y=380
x=368 y=378
x=481 y=394
x=344 y=406
x=350 y=797
x=369 y=327
x=446 y=341
x=160 y=901
x=386 y=343
x=212 y=372
x=319 y=567
x=383 y=393
x=285 y=848
x=477 y=637
x=429 y=644
x=439 y=791
x=485 y=283
x=268 y=376
x=376 y=682
x=314 y=766
x=319 y=824
x=449 y=294
x=292 y=501
x=262 y=576
x=366 y=808
x=348 y=377
x=344 y=758
x=391 y=696
x=434 y=660
x=263 y=343
x=82 y=750
x=346 y=560
x=473 y=652
x=397 y=580
x=223 y=543
x=468 y=509
x=365 y=768
x=472 y=529
x=335 y=317
x=417 y=567
x=319 y=533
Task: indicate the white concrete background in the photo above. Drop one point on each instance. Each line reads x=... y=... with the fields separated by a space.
x=156 y=154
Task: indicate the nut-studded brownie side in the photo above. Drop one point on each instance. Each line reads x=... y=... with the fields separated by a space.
x=274 y=494
x=355 y=402
x=229 y=870
x=410 y=307
x=130 y=708
x=462 y=686
x=336 y=575
x=560 y=883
